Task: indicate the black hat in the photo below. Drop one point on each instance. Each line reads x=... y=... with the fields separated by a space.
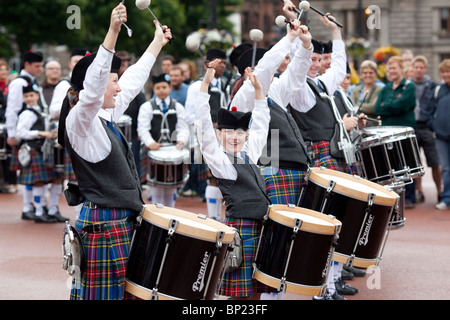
x=318 y=46
x=237 y=51
x=215 y=54
x=31 y=87
x=79 y=71
x=33 y=56
x=245 y=60
x=161 y=78
x=230 y=119
x=327 y=47
x=78 y=52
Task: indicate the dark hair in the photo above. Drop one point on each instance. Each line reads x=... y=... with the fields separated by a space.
x=236 y=86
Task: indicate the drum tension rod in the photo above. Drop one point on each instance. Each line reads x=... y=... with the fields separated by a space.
x=330 y=188
x=297 y=225
x=173 y=224
x=216 y=252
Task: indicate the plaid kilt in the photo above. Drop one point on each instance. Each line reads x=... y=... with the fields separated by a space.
x=240 y=282
x=14 y=161
x=283 y=185
x=106 y=255
x=37 y=172
x=69 y=174
x=323 y=158
x=204 y=173
x=144 y=163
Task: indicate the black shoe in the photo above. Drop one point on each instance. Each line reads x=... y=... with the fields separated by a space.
x=344 y=288
x=347 y=274
x=28 y=215
x=357 y=272
x=45 y=218
x=59 y=217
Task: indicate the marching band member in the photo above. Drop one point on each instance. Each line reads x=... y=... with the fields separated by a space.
x=153 y=117
x=231 y=153
x=103 y=161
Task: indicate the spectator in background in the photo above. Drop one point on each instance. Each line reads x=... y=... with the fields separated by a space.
x=438 y=121
x=188 y=71
x=367 y=88
x=167 y=62
x=395 y=104
x=52 y=71
x=179 y=88
x=425 y=138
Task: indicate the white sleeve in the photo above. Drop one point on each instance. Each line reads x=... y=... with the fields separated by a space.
x=219 y=164
x=182 y=127
x=334 y=76
x=259 y=130
x=144 y=120
x=14 y=105
x=24 y=123
x=59 y=94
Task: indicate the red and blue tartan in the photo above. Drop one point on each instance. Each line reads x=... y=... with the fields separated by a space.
x=323 y=158
x=37 y=172
x=283 y=185
x=106 y=255
x=240 y=282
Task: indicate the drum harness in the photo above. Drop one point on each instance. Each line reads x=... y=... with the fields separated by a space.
x=173 y=224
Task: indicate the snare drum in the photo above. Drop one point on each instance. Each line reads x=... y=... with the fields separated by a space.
x=363 y=207
x=168 y=166
x=390 y=155
x=295 y=250
x=3 y=144
x=58 y=157
x=125 y=124
x=176 y=254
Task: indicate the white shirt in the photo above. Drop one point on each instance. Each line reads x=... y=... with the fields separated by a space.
x=59 y=94
x=214 y=154
x=145 y=117
x=15 y=102
x=84 y=128
x=332 y=78
x=281 y=90
x=24 y=123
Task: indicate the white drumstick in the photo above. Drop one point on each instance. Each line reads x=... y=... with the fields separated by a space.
x=256 y=35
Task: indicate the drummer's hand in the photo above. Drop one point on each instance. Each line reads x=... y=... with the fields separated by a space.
x=350 y=123
x=155 y=146
x=11 y=141
x=180 y=145
x=362 y=120
x=209 y=75
x=288 y=9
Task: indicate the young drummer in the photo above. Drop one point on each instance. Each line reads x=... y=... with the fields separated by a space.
x=231 y=153
x=103 y=161
x=32 y=131
x=161 y=122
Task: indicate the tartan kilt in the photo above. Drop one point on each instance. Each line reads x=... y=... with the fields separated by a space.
x=144 y=163
x=69 y=174
x=14 y=161
x=240 y=282
x=204 y=173
x=37 y=172
x=323 y=158
x=106 y=255
x=282 y=185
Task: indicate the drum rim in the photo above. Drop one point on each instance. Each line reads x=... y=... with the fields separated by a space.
x=356 y=261
x=389 y=198
x=306 y=226
x=181 y=159
x=396 y=129
x=292 y=287
x=184 y=229
x=145 y=293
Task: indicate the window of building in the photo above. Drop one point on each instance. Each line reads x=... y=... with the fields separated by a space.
x=445 y=22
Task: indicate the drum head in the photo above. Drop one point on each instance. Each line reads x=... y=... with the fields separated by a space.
x=189 y=224
x=125 y=120
x=312 y=221
x=353 y=186
x=169 y=154
x=387 y=130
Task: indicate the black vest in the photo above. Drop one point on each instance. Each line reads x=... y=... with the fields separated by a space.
x=288 y=150
x=112 y=182
x=318 y=123
x=39 y=125
x=246 y=196
x=157 y=120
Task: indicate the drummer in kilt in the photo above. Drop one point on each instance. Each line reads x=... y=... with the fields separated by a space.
x=161 y=120
x=108 y=182
x=36 y=173
x=231 y=152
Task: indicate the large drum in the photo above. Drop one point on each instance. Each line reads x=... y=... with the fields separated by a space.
x=3 y=144
x=168 y=166
x=176 y=254
x=363 y=207
x=125 y=124
x=390 y=155
x=295 y=249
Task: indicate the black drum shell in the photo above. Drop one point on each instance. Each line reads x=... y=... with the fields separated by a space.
x=350 y=212
x=309 y=258
x=182 y=265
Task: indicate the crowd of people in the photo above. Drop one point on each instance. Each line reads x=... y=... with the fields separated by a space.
x=226 y=116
